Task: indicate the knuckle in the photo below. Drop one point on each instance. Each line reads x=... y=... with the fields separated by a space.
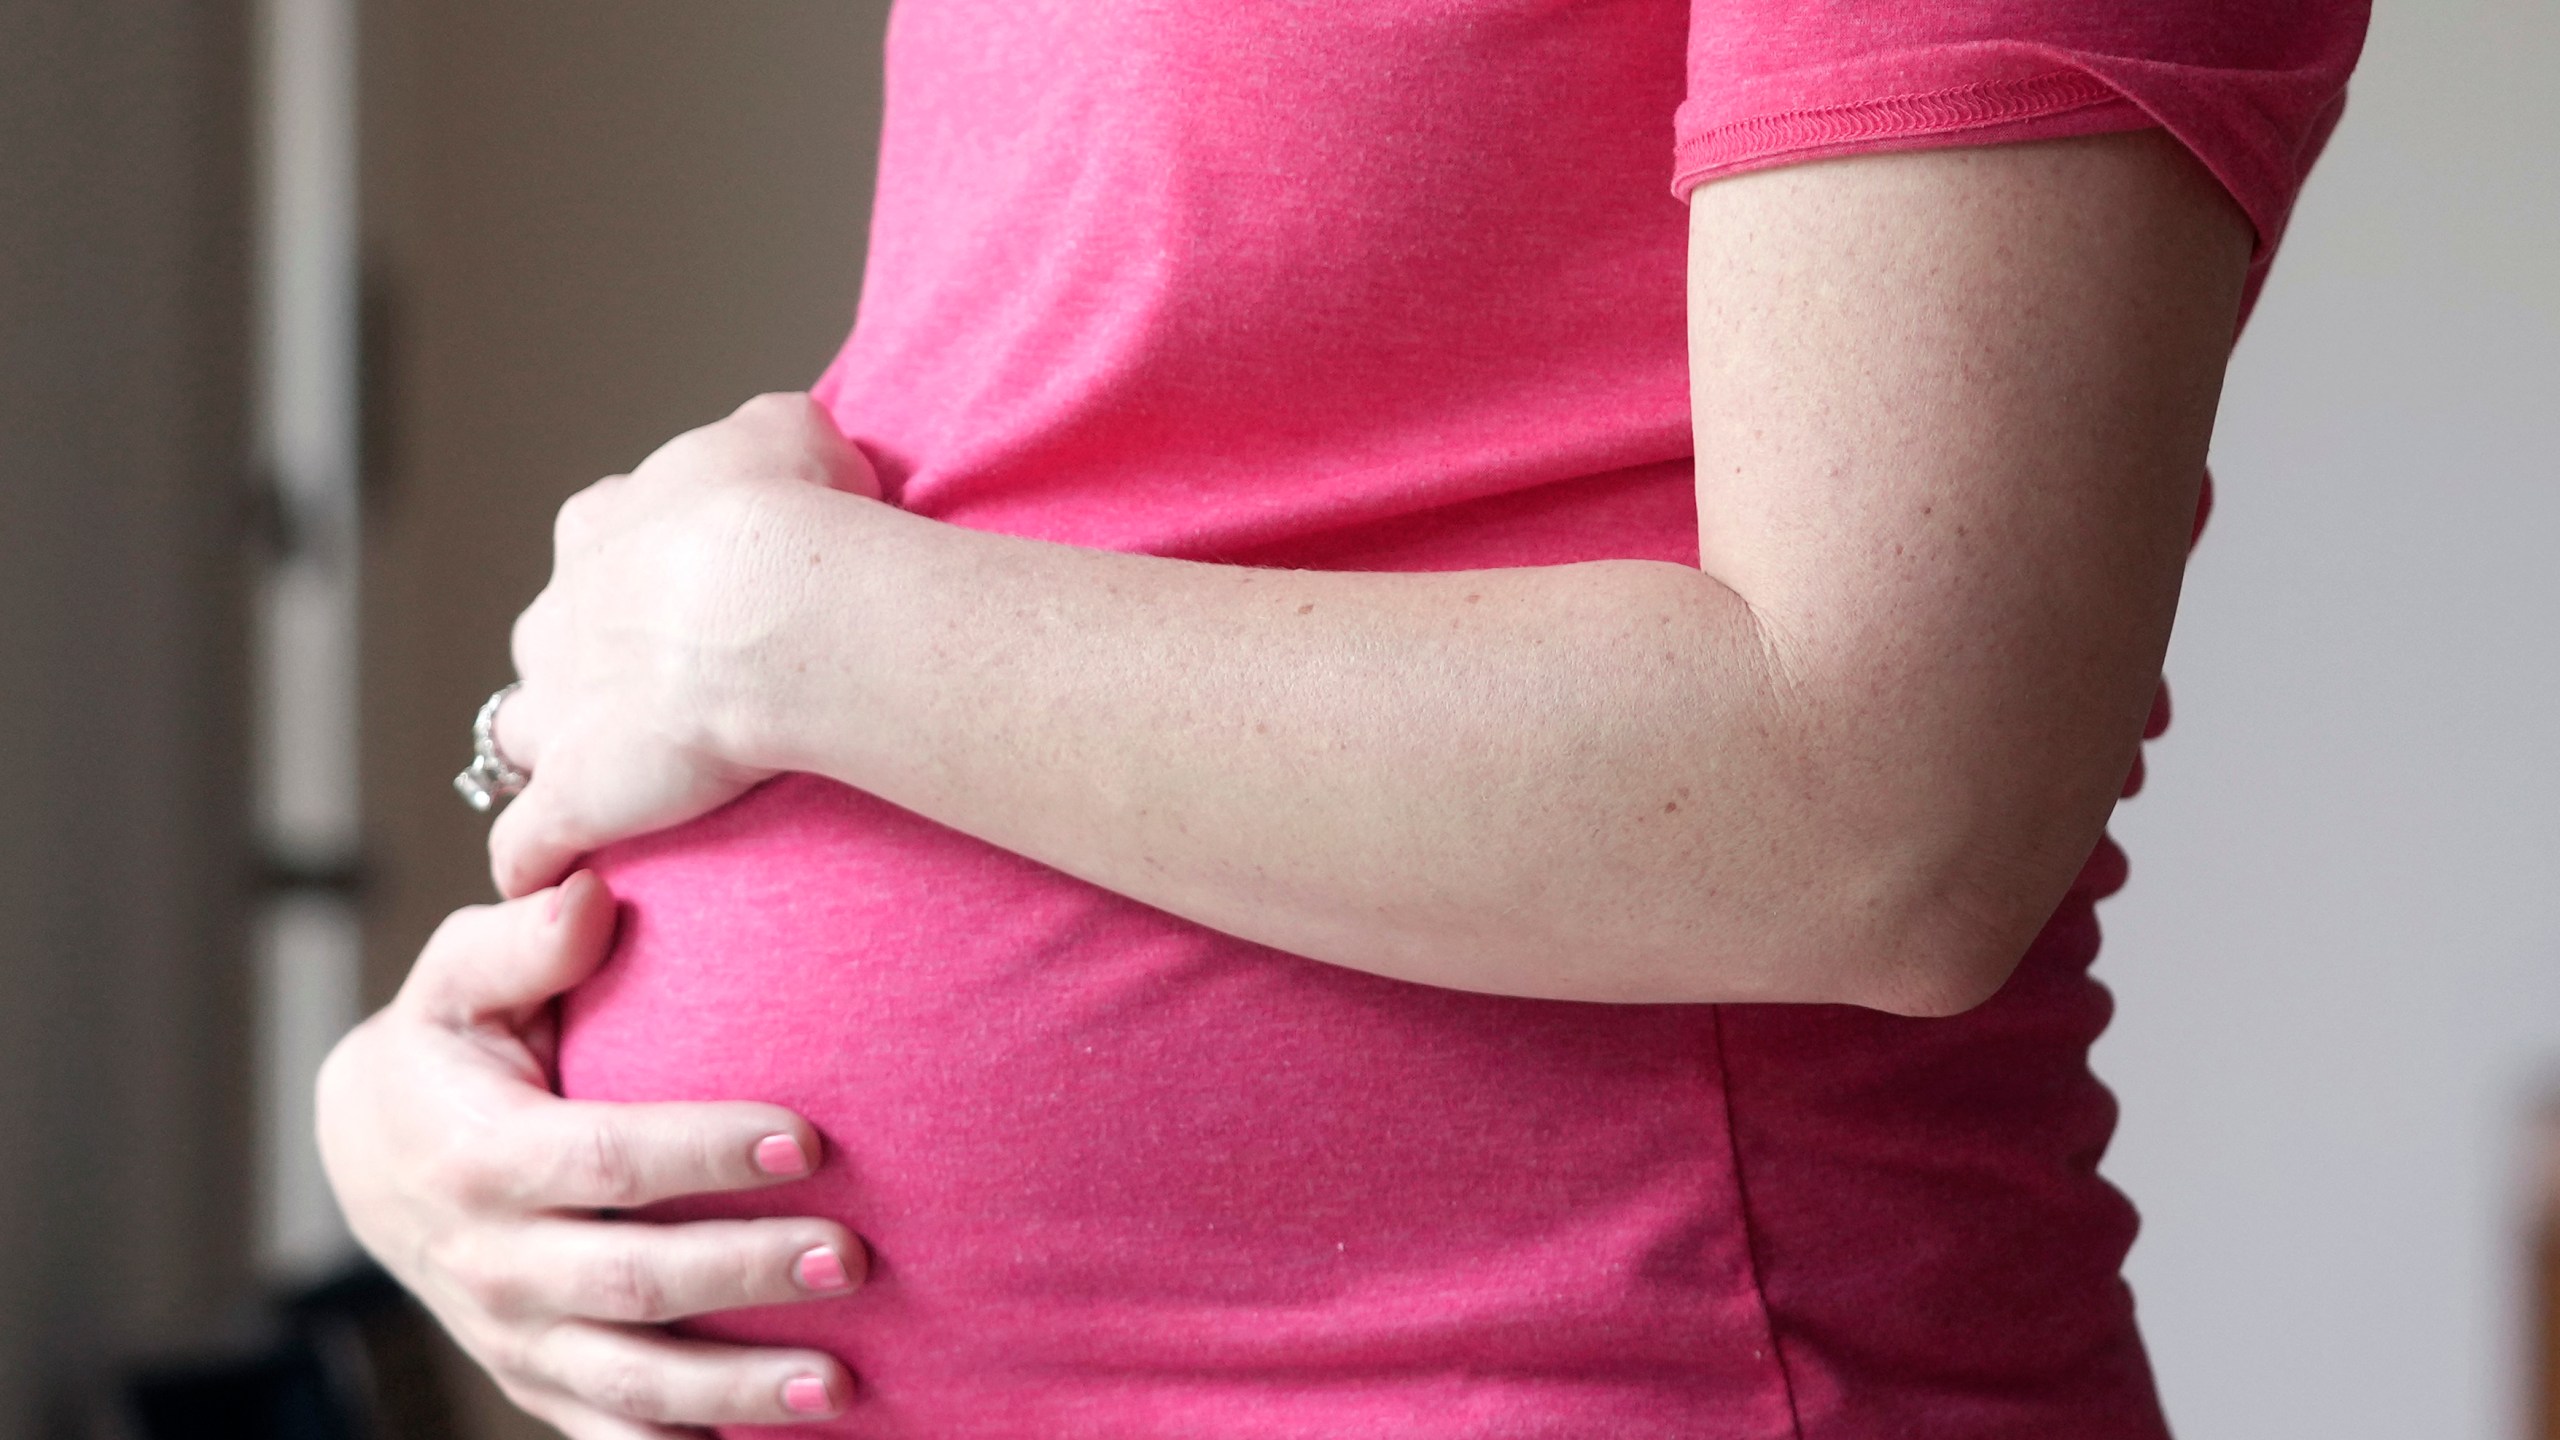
x=605 y=1168
x=626 y=1287
x=457 y=1169
x=440 y=1257
x=333 y=1088
x=774 y=405
x=626 y=1387
x=562 y=828
x=571 y=523
x=468 y=1267
x=751 y=1274
x=522 y=636
x=452 y=1172
x=513 y=1359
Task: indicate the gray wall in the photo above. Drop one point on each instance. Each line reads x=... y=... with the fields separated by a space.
x=2339 y=960
x=122 y=1073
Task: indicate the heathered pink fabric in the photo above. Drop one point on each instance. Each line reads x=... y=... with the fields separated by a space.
x=1388 y=284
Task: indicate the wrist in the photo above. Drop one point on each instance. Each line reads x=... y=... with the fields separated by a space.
x=818 y=555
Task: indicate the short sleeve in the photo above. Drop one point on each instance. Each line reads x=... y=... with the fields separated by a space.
x=2252 y=87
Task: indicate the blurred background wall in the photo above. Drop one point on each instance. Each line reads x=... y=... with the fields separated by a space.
x=124 y=1111
x=587 y=224
x=2339 y=959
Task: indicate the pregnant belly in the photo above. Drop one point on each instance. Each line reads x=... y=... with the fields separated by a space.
x=1125 y=1176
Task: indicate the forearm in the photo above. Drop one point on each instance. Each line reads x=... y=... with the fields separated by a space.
x=1946 y=469
x=1578 y=781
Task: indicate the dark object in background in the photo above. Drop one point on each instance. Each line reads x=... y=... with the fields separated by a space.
x=353 y=1359
x=284 y=1395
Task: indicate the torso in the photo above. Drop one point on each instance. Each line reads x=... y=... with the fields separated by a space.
x=1363 y=285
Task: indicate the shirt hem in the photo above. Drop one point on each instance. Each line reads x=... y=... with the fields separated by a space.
x=1759 y=141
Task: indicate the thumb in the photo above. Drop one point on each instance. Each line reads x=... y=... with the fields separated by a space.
x=502 y=961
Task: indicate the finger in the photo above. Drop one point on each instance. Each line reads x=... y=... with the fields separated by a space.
x=539 y=836
x=631 y=1273
x=593 y=1155
x=525 y=720
x=659 y=1380
x=580 y=1421
x=493 y=961
x=789 y=419
x=578 y=523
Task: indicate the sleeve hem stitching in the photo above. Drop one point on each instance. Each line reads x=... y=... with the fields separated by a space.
x=1964 y=107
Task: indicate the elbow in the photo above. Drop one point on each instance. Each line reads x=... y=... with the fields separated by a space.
x=1950 y=946
x=1878 y=940
x=1925 y=982
x=1943 y=893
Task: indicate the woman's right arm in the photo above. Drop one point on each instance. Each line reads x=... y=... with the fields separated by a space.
x=480 y=1189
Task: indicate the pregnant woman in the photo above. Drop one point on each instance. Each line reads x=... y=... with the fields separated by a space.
x=1354 y=775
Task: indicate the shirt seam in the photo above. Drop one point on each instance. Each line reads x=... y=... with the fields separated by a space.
x=1974 y=106
x=1751 y=1232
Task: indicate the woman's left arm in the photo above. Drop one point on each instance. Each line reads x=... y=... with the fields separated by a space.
x=1951 y=410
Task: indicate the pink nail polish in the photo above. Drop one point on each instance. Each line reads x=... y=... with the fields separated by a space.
x=806 y=1395
x=781 y=1155
x=822 y=1269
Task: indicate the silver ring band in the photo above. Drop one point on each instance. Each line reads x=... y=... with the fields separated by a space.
x=490 y=777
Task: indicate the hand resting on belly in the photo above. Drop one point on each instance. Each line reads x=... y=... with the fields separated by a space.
x=481 y=1190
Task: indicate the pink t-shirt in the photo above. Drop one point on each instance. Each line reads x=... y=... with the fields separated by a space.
x=1389 y=284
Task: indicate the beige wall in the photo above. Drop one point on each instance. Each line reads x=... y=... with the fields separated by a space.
x=123 y=857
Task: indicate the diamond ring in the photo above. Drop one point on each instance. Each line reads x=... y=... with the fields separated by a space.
x=490 y=776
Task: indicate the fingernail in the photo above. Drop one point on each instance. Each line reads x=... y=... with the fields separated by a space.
x=781 y=1155
x=807 y=1395
x=822 y=1269
x=559 y=899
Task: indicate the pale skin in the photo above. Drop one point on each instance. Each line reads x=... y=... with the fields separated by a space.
x=1951 y=411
